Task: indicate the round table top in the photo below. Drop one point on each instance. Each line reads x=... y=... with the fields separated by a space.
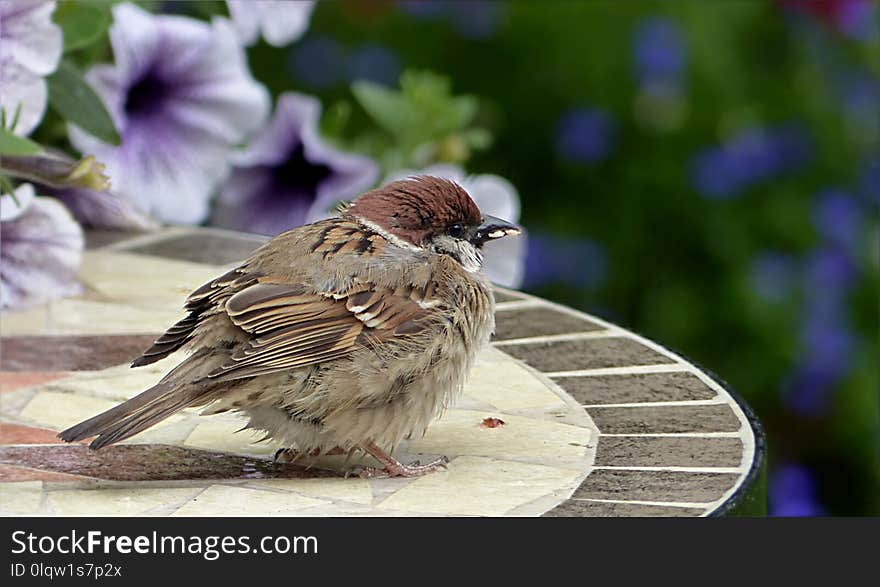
x=564 y=415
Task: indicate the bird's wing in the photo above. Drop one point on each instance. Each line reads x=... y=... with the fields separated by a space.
x=291 y=328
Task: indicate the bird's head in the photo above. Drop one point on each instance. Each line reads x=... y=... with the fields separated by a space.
x=431 y=213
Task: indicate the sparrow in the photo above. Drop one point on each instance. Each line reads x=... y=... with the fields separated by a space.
x=351 y=333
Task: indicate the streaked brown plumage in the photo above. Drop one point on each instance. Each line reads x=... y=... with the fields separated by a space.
x=351 y=332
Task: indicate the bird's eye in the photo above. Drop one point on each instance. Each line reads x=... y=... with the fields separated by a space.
x=456 y=230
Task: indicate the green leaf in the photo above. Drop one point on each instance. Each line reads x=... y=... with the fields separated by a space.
x=74 y=100
x=82 y=22
x=388 y=108
x=12 y=144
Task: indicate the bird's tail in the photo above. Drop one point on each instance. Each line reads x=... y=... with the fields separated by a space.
x=133 y=416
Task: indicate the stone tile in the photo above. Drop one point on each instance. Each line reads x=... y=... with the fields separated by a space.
x=226 y=435
x=149 y=462
x=459 y=432
x=73 y=316
x=668 y=486
x=538 y=321
x=353 y=489
x=127 y=501
x=209 y=248
x=21 y=498
x=636 y=388
x=146 y=282
x=62 y=410
x=507 y=385
x=96 y=238
x=72 y=353
x=20 y=434
x=668 y=452
x=240 y=501
x=665 y=419
x=596 y=353
x=478 y=486
x=11 y=473
x=31 y=321
x=507 y=296
x=117 y=383
x=11 y=380
x=575 y=508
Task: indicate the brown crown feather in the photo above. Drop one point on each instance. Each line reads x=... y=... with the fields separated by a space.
x=417 y=208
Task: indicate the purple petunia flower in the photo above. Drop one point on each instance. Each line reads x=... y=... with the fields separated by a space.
x=288 y=175
x=30 y=48
x=280 y=21
x=181 y=95
x=503 y=260
x=585 y=135
x=40 y=250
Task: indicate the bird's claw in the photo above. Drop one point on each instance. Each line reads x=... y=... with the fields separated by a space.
x=414 y=469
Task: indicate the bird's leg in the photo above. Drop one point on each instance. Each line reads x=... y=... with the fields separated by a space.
x=394 y=468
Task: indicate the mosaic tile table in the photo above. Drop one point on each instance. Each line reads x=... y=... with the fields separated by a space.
x=597 y=420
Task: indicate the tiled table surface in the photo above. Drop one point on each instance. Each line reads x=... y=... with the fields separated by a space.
x=597 y=420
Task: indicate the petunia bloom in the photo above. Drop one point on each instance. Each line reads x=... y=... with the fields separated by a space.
x=503 y=260
x=40 y=250
x=288 y=175
x=181 y=95
x=280 y=21
x=30 y=48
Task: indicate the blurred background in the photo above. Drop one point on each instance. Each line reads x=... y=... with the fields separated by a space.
x=704 y=173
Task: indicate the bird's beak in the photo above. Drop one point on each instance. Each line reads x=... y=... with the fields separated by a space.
x=494 y=228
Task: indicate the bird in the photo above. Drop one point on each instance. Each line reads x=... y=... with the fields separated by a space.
x=352 y=333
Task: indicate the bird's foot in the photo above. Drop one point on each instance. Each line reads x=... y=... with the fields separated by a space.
x=415 y=469
x=391 y=467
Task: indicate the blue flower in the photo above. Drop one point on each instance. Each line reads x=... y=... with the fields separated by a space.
x=318 y=62
x=715 y=174
x=658 y=50
x=477 y=19
x=554 y=259
x=585 y=135
x=792 y=492
x=868 y=182
x=772 y=276
x=374 y=63
x=838 y=219
x=749 y=157
x=288 y=175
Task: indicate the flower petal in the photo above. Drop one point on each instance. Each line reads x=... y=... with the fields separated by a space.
x=281 y=22
x=41 y=252
x=28 y=36
x=25 y=90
